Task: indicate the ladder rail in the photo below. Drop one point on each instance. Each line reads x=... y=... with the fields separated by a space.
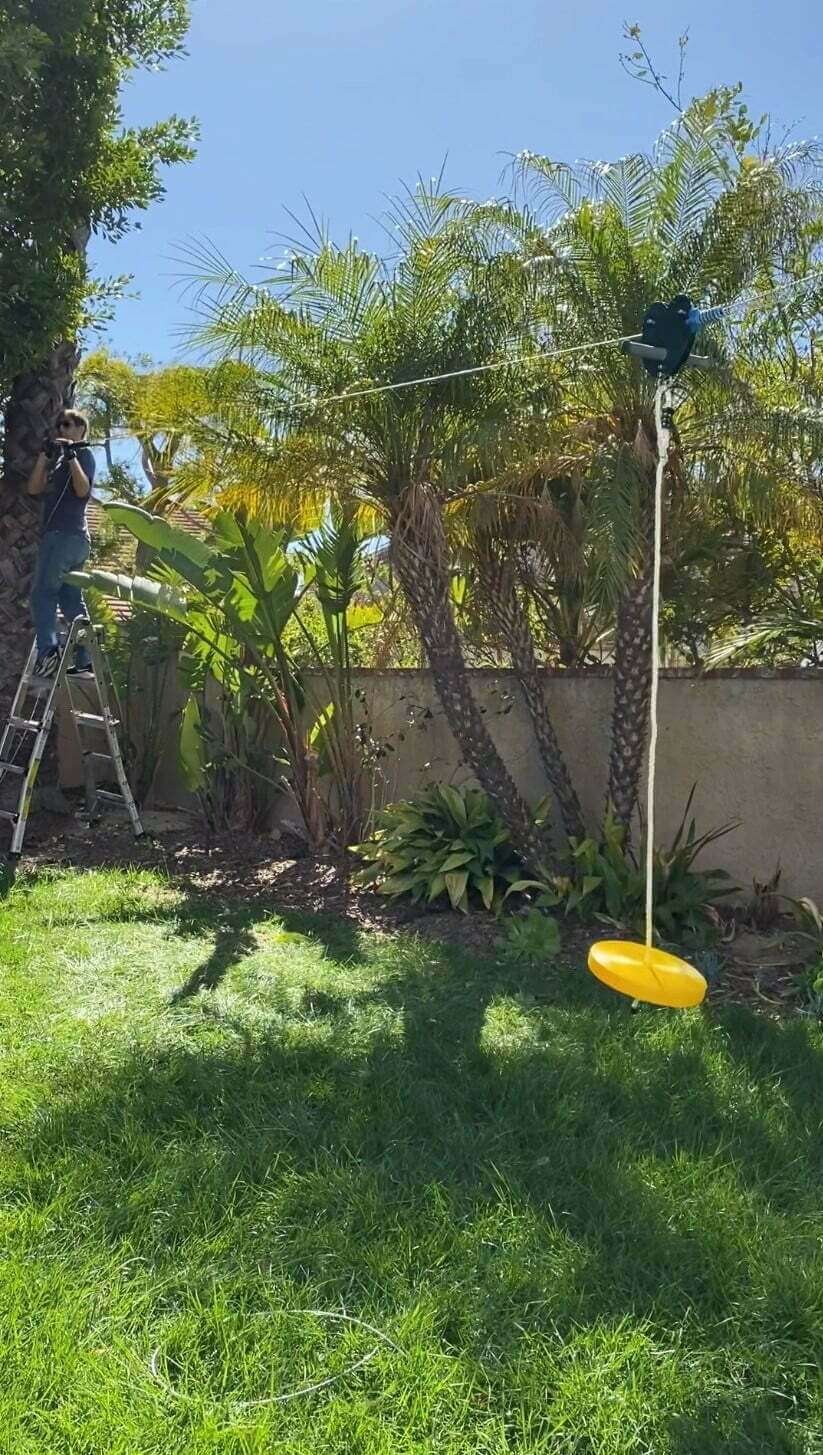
x=8 y=754
x=27 y=787
x=105 y=691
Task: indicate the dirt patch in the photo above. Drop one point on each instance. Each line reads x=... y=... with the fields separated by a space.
x=763 y=970
x=275 y=870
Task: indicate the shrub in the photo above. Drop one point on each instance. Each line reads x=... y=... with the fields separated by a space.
x=810 y=926
x=530 y=938
x=606 y=883
x=447 y=841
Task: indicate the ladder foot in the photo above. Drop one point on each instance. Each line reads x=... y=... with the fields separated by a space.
x=8 y=874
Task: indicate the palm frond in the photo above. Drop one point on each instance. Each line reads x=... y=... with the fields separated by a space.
x=628 y=186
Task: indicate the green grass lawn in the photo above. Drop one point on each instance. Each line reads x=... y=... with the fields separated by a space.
x=581 y=1231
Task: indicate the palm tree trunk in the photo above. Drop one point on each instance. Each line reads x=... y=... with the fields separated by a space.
x=36 y=400
x=506 y=614
x=632 y=686
x=420 y=556
x=633 y=652
x=19 y=523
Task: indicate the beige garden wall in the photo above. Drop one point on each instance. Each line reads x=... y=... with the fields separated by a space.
x=752 y=741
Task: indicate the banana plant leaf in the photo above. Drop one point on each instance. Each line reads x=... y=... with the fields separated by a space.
x=136 y=590
x=179 y=551
x=191 y=748
x=154 y=531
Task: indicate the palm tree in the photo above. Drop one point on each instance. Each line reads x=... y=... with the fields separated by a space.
x=498 y=530
x=157 y=408
x=558 y=569
x=790 y=632
x=703 y=214
x=497 y=579
x=315 y=345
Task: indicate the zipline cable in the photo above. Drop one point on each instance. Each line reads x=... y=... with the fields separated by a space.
x=721 y=312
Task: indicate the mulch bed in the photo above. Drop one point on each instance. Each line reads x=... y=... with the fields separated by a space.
x=759 y=970
x=274 y=871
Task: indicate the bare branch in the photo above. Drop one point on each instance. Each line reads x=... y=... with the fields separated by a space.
x=641 y=67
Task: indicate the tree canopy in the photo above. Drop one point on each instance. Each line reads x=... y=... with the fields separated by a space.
x=68 y=167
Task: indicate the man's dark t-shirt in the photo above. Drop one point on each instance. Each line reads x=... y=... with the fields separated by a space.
x=63 y=509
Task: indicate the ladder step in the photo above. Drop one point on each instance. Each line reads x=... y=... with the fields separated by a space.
x=11 y=768
x=91 y=719
x=25 y=724
x=4 y=813
x=95 y=758
x=108 y=797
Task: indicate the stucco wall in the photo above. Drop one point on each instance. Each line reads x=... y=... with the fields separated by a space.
x=753 y=743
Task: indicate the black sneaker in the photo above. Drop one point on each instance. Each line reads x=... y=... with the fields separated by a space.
x=75 y=671
x=47 y=665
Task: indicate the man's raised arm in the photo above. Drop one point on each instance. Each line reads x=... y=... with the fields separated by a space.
x=36 y=483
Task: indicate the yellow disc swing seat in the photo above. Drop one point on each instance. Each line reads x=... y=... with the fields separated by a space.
x=646 y=973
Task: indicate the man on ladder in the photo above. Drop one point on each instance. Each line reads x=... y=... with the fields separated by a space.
x=64 y=474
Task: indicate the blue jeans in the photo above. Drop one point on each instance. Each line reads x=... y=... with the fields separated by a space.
x=59 y=553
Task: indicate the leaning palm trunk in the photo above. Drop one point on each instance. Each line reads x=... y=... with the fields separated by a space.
x=505 y=611
x=632 y=681
x=420 y=557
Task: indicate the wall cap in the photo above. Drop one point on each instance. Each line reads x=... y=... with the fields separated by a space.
x=676 y=674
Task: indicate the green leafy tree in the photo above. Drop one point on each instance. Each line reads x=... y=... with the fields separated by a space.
x=789 y=631
x=67 y=169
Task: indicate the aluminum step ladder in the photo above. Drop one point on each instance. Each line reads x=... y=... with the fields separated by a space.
x=28 y=726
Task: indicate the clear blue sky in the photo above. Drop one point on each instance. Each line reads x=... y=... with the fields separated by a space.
x=347 y=100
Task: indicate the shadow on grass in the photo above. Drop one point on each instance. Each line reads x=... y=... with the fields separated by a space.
x=232 y=924
x=233 y=932
x=756 y=1427
x=408 y=1116
x=231 y=942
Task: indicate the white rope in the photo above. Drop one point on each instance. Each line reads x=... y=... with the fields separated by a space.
x=663 y=440
x=302 y=1391
x=308 y=401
